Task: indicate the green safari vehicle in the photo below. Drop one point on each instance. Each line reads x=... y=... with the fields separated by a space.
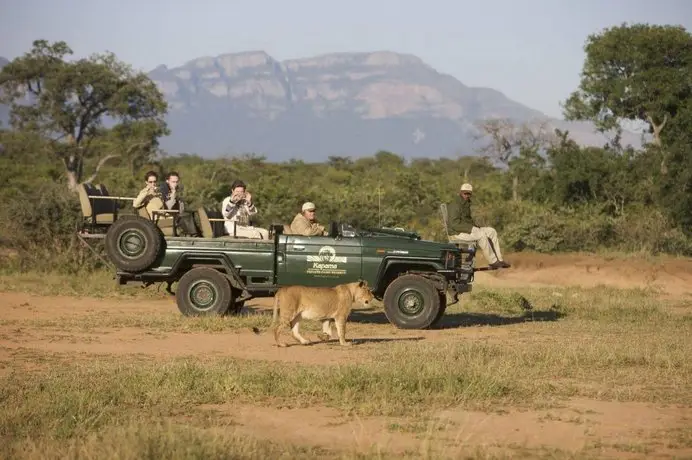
x=217 y=273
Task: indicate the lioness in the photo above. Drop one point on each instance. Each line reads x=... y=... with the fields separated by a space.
x=293 y=303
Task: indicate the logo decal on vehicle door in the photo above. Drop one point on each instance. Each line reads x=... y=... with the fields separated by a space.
x=326 y=262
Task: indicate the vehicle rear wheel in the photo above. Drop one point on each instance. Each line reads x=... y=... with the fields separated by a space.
x=203 y=291
x=411 y=302
x=133 y=243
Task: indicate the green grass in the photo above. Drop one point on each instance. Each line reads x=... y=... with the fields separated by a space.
x=100 y=284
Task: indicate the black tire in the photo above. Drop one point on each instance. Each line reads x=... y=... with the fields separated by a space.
x=443 y=308
x=133 y=243
x=235 y=307
x=425 y=306
x=199 y=283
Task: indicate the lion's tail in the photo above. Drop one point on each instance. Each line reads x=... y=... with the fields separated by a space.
x=275 y=314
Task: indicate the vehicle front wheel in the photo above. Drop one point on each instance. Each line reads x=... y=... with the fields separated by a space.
x=235 y=307
x=443 y=308
x=203 y=291
x=412 y=302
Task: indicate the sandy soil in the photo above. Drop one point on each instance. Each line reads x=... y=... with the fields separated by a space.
x=579 y=423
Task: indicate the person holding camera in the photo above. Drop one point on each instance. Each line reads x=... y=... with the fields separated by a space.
x=171 y=191
x=237 y=209
x=150 y=196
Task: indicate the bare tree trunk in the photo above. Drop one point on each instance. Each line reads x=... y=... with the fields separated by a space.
x=657 y=140
x=99 y=166
x=72 y=181
x=73 y=168
x=72 y=171
x=657 y=129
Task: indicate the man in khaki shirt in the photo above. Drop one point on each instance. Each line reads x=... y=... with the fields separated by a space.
x=304 y=223
x=150 y=196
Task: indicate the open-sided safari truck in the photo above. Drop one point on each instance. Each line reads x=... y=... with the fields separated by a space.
x=217 y=273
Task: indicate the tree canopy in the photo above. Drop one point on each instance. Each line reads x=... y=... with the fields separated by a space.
x=70 y=105
x=638 y=72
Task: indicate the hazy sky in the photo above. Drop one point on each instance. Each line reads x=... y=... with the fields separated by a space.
x=531 y=50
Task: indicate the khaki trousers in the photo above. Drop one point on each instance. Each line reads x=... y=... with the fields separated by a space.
x=482 y=236
x=247 y=231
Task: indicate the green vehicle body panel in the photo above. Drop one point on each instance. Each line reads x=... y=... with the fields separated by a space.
x=303 y=260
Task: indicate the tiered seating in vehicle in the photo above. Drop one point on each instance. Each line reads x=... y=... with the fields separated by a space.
x=164 y=218
x=99 y=209
x=211 y=224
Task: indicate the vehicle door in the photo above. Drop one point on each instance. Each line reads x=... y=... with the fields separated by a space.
x=320 y=260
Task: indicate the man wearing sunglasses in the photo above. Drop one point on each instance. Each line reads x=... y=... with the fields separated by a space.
x=150 y=196
x=464 y=229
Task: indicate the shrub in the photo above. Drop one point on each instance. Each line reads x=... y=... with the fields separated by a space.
x=40 y=226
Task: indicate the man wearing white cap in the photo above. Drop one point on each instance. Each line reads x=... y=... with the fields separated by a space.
x=304 y=223
x=464 y=229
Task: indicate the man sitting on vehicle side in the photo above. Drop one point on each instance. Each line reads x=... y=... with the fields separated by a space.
x=150 y=196
x=464 y=229
x=305 y=224
x=237 y=209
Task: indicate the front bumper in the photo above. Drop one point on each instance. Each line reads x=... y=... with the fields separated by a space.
x=460 y=288
x=458 y=280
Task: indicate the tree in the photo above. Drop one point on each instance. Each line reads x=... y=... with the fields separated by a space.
x=676 y=185
x=636 y=72
x=508 y=139
x=69 y=103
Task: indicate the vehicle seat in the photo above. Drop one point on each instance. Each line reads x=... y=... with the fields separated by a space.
x=96 y=211
x=210 y=229
x=165 y=223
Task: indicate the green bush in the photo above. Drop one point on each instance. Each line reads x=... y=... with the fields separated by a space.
x=40 y=226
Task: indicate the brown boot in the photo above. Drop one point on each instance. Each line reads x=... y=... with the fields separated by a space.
x=504 y=264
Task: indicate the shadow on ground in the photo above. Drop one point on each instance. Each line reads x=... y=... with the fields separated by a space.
x=355 y=341
x=448 y=320
x=456 y=320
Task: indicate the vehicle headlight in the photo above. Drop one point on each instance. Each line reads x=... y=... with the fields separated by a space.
x=451 y=259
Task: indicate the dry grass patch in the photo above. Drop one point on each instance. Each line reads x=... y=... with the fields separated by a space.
x=557 y=343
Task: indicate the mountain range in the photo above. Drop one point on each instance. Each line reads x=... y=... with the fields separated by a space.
x=345 y=104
